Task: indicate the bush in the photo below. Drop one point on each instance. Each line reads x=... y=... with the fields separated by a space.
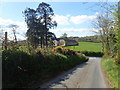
x=94 y=54
x=69 y=52
x=64 y=51
x=12 y=65
x=116 y=60
x=58 y=49
x=16 y=65
x=20 y=67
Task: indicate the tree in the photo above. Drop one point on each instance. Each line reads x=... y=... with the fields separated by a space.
x=118 y=34
x=116 y=14
x=108 y=25
x=33 y=25
x=1 y=34
x=104 y=25
x=51 y=38
x=45 y=13
x=64 y=36
x=14 y=27
x=39 y=22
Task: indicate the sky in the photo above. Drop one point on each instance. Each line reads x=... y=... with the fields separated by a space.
x=73 y=18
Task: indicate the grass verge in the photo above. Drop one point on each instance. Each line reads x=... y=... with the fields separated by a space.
x=112 y=72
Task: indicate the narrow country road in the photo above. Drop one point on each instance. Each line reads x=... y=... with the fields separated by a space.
x=86 y=75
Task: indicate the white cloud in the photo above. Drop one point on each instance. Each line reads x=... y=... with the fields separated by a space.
x=68 y=19
x=7 y=22
x=62 y=20
x=81 y=19
x=4 y=23
x=73 y=31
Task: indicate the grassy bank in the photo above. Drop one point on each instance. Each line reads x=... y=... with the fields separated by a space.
x=112 y=71
x=22 y=68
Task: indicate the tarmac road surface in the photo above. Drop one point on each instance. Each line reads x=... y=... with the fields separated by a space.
x=86 y=75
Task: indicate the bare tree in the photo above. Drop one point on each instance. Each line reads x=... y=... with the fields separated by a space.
x=14 y=27
x=104 y=25
x=1 y=34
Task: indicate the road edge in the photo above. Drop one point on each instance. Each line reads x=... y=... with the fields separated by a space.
x=60 y=75
x=105 y=76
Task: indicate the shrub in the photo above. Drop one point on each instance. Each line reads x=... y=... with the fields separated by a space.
x=116 y=60
x=89 y=53
x=58 y=49
x=68 y=52
x=64 y=51
x=12 y=65
x=21 y=67
x=16 y=65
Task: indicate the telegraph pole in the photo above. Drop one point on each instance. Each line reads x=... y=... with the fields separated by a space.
x=5 y=41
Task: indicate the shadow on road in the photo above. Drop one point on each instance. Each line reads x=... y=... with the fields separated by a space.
x=63 y=76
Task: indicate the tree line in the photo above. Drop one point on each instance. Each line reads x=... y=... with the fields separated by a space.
x=95 y=38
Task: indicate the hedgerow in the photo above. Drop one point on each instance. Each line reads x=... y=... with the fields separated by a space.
x=19 y=67
x=93 y=54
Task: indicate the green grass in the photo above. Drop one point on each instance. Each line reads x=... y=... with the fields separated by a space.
x=87 y=46
x=112 y=71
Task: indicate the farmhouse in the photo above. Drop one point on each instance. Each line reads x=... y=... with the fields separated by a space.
x=65 y=42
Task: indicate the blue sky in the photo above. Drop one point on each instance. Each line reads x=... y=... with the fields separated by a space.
x=73 y=18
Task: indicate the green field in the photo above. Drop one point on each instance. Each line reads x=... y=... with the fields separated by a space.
x=87 y=46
